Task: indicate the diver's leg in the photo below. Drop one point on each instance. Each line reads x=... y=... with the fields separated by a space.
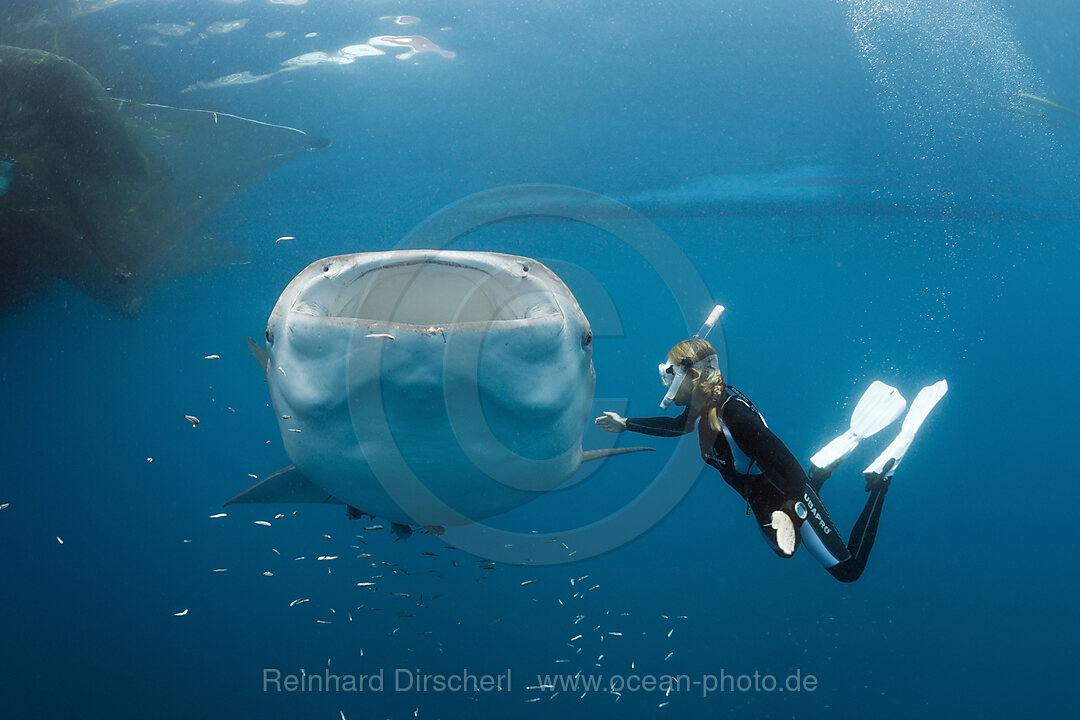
x=818 y=475
x=863 y=534
x=817 y=530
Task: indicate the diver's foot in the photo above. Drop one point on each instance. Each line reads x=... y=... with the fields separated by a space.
x=875 y=481
x=785 y=532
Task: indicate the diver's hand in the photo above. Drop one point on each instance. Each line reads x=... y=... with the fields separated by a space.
x=612 y=422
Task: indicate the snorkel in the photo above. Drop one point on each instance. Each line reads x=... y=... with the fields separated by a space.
x=673 y=375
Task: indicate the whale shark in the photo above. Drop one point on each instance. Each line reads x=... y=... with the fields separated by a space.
x=426 y=387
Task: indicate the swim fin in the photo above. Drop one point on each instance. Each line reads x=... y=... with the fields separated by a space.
x=879 y=406
x=921 y=406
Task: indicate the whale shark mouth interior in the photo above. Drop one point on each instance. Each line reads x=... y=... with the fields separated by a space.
x=430 y=293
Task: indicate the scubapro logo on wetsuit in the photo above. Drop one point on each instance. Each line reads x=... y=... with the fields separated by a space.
x=813 y=510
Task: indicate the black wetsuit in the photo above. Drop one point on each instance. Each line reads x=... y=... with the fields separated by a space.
x=754 y=462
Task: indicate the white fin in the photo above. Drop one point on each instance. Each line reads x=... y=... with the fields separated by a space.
x=879 y=406
x=921 y=406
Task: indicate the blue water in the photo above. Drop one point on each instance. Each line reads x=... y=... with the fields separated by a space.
x=954 y=257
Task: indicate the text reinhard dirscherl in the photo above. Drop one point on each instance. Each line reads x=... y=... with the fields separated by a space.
x=401 y=680
x=413 y=680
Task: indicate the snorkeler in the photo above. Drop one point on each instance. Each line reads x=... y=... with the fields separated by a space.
x=735 y=440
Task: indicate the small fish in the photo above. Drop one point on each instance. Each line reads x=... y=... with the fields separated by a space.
x=295 y=430
x=192 y=419
x=323 y=622
x=181 y=613
x=385 y=336
x=59 y=540
x=670 y=631
x=528 y=582
x=668 y=656
x=299 y=601
x=1046 y=102
x=616 y=634
x=5 y=506
x=401 y=594
x=211 y=357
x=373 y=528
x=219 y=515
x=278 y=516
x=576 y=637
x=220 y=570
x=285 y=238
x=264 y=523
x=148 y=461
x=325 y=558
x=267 y=573
x=253 y=476
x=365 y=584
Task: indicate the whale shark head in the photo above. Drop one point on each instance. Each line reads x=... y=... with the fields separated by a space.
x=431 y=387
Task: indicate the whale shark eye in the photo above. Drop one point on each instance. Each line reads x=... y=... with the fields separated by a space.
x=269 y=337
x=587 y=340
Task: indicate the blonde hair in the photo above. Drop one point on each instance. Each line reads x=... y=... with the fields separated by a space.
x=710 y=383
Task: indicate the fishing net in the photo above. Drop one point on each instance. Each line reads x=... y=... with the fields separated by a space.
x=108 y=194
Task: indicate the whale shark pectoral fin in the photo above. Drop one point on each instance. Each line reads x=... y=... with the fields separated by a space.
x=286 y=486
x=588 y=455
x=261 y=356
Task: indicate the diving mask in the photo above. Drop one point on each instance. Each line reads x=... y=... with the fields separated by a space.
x=673 y=374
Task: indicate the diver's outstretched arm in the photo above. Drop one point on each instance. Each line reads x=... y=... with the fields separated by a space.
x=662 y=426
x=611 y=422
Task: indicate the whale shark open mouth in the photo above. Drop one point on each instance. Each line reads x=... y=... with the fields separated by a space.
x=428 y=292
